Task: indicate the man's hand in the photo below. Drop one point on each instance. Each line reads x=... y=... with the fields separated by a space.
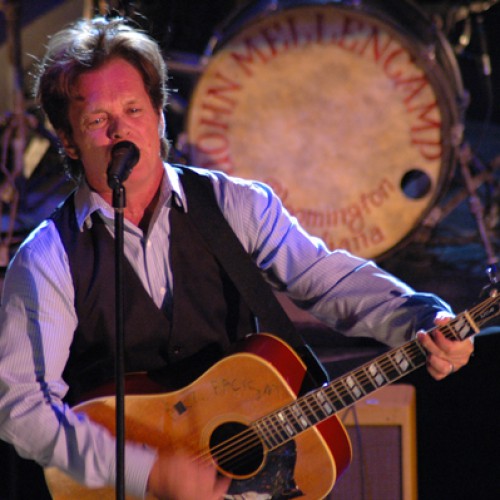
x=180 y=477
x=444 y=356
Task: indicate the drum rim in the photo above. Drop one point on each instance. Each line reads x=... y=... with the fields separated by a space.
x=232 y=26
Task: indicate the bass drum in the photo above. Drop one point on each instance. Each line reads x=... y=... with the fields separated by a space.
x=351 y=111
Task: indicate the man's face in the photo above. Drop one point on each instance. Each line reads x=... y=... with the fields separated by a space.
x=110 y=105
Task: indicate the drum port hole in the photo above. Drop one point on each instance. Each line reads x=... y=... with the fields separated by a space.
x=416 y=184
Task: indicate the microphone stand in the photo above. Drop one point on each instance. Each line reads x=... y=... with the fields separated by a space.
x=124 y=156
x=119 y=204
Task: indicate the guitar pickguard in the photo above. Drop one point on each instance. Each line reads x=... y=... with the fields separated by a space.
x=275 y=480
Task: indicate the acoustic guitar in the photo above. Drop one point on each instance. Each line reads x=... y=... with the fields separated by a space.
x=244 y=415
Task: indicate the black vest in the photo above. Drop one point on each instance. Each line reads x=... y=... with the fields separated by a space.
x=208 y=312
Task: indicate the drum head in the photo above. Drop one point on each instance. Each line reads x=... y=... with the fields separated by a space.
x=349 y=117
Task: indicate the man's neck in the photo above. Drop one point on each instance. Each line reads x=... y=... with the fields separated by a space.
x=140 y=201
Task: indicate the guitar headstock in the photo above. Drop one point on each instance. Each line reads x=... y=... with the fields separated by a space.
x=469 y=322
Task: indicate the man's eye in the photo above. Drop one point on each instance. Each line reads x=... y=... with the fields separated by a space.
x=96 y=122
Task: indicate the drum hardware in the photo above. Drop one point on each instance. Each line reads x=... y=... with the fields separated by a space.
x=440 y=212
x=486 y=72
x=448 y=17
x=491 y=289
x=483 y=45
x=477 y=209
x=24 y=141
x=478 y=7
x=474 y=175
x=105 y=7
x=92 y=7
x=186 y=64
x=15 y=127
x=471 y=15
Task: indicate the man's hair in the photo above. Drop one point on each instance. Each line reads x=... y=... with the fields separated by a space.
x=87 y=45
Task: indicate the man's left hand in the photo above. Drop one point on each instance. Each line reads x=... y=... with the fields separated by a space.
x=444 y=356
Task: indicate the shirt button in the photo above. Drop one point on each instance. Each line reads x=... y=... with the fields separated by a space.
x=163 y=290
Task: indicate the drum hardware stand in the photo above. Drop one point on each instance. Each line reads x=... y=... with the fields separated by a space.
x=477 y=210
x=466 y=156
x=15 y=127
x=472 y=184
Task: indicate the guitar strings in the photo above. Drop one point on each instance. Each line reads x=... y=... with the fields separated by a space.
x=271 y=427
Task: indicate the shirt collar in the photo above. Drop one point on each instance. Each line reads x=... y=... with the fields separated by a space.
x=173 y=187
x=87 y=201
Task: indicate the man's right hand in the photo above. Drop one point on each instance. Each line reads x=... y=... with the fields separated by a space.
x=180 y=477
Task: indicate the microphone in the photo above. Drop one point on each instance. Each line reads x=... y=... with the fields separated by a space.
x=124 y=157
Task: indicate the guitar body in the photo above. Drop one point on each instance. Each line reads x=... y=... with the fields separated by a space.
x=230 y=397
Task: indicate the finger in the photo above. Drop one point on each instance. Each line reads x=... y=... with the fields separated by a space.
x=442 y=340
x=428 y=343
x=439 y=368
x=457 y=352
x=444 y=356
x=221 y=486
x=442 y=318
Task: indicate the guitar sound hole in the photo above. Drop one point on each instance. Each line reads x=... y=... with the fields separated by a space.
x=237 y=449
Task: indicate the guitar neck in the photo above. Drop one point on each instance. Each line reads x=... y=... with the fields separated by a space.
x=316 y=406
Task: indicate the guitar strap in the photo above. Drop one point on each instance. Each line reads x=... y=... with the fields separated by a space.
x=205 y=214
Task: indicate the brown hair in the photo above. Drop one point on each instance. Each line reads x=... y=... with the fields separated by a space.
x=87 y=45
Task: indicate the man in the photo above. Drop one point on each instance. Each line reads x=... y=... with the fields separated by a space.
x=101 y=83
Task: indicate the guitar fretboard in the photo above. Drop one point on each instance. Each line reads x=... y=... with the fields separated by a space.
x=284 y=424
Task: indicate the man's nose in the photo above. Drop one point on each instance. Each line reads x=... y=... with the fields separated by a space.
x=118 y=128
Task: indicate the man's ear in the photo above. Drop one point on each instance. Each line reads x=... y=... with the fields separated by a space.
x=161 y=124
x=69 y=146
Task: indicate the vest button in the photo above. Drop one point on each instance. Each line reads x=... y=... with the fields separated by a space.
x=176 y=350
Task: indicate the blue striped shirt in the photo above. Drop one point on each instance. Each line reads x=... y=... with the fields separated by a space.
x=38 y=319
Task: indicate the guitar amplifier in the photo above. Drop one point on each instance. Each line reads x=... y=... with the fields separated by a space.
x=382 y=429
